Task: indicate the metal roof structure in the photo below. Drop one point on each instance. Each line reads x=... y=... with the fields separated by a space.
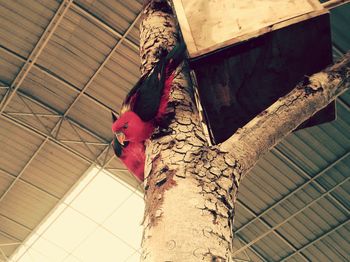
x=65 y=65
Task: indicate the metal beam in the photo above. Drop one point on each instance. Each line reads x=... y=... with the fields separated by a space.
x=290 y=217
x=85 y=142
x=344 y=223
x=21 y=225
x=40 y=45
x=58 y=79
x=59 y=114
x=265 y=223
x=49 y=137
x=23 y=169
x=3 y=254
x=108 y=57
x=29 y=63
x=334 y=3
x=294 y=191
x=27 y=183
x=32 y=114
x=257 y=253
x=10 y=244
x=39 y=133
x=318 y=184
x=101 y=23
x=9 y=236
x=70 y=107
x=343 y=104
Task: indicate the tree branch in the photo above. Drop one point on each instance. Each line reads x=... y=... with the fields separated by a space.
x=249 y=143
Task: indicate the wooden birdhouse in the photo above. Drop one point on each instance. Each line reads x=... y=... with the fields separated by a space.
x=245 y=54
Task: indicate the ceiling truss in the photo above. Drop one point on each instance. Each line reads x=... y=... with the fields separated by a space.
x=52 y=135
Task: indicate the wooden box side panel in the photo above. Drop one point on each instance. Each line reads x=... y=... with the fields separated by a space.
x=239 y=82
x=207 y=23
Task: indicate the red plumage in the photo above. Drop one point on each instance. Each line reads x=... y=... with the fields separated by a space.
x=133 y=157
x=143 y=110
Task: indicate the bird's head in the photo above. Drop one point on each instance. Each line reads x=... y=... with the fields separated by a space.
x=128 y=128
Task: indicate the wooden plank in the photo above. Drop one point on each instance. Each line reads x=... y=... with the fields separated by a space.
x=185 y=26
x=209 y=25
x=254 y=34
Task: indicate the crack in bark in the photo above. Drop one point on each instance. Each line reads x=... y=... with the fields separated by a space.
x=215 y=172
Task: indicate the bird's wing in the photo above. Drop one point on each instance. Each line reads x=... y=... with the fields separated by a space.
x=147 y=94
x=148 y=98
x=130 y=98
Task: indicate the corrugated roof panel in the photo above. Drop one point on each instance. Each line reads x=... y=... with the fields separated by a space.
x=312 y=222
x=247 y=255
x=5 y=181
x=17 y=146
x=45 y=119
x=296 y=258
x=339 y=240
x=76 y=49
x=304 y=152
x=7 y=249
x=314 y=148
x=340 y=21
x=315 y=138
x=109 y=155
x=109 y=88
x=22 y=23
x=343 y=111
x=243 y=216
x=252 y=231
x=336 y=174
x=285 y=172
x=93 y=117
x=130 y=56
x=272 y=248
x=72 y=135
x=250 y=196
x=9 y=67
x=336 y=134
x=270 y=180
x=134 y=34
x=26 y=204
x=13 y=229
x=48 y=90
x=327 y=250
x=342 y=193
x=3 y=92
x=117 y=14
x=118 y=76
x=345 y=97
x=55 y=170
x=331 y=145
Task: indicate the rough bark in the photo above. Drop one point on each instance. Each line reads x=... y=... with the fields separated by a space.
x=190 y=187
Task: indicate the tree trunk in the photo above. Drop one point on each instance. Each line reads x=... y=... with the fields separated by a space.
x=191 y=187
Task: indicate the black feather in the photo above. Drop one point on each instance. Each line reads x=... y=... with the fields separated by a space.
x=117 y=147
x=145 y=96
x=114 y=117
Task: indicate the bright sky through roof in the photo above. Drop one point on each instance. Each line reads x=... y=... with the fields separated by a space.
x=99 y=220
